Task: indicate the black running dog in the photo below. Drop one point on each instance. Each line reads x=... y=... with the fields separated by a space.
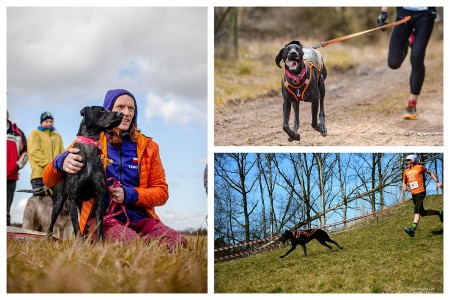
x=302 y=237
x=90 y=181
x=303 y=80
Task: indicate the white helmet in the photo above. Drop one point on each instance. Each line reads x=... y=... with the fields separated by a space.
x=414 y=158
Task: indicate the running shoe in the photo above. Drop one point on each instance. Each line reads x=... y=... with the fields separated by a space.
x=410 y=112
x=411 y=232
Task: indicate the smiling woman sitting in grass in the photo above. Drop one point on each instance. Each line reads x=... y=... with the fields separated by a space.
x=134 y=160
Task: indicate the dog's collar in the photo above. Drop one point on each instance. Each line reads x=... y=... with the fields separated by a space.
x=89 y=141
x=296 y=78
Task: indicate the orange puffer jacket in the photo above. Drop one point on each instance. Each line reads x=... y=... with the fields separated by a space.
x=152 y=190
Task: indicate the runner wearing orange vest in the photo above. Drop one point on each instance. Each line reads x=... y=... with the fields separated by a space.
x=414 y=180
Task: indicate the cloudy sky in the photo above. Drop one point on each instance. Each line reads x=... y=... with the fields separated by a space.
x=62 y=59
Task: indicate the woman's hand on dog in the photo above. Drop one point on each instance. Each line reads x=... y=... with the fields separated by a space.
x=72 y=163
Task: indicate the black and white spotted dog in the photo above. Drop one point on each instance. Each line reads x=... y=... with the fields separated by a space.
x=303 y=80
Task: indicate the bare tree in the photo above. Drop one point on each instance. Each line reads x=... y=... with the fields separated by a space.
x=232 y=32
x=270 y=178
x=234 y=169
x=297 y=170
x=325 y=164
x=224 y=210
x=261 y=189
x=346 y=189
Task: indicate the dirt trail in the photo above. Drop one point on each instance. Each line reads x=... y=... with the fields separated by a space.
x=363 y=107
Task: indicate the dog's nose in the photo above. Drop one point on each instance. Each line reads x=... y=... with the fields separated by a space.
x=120 y=114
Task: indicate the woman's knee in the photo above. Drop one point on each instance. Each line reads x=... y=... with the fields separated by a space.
x=155 y=229
x=394 y=63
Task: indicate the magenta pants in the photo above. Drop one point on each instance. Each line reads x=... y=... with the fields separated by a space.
x=148 y=229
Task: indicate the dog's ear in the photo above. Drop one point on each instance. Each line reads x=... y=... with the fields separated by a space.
x=279 y=57
x=88 y=115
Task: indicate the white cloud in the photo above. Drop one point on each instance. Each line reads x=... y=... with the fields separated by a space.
x=174 y=111
x=182 y=220
x=86 y=50
x=16 y=211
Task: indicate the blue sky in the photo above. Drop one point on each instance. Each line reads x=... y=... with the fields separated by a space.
x=62 y=59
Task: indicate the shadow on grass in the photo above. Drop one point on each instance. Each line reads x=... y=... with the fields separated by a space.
x=437 y=232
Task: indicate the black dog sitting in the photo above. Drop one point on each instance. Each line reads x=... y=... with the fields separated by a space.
x=302 y=237
x=303 y=80
x=90 y=181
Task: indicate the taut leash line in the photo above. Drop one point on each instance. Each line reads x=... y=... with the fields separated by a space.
x=324 y=44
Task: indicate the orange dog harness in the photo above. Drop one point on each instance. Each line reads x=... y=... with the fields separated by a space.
x=298 y=91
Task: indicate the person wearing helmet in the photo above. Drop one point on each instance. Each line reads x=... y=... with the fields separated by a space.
x=414 y=180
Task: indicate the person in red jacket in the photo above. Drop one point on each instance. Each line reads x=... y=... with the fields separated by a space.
x=16 y=156
x=414 y=180
x=133 y=162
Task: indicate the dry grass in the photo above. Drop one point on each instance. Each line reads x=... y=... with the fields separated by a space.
x=378 y=258
x=40 y=266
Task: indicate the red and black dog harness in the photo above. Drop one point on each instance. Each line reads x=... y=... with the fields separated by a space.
x=308 y=233
x=297 y=85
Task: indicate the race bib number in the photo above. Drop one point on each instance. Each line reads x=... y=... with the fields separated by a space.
x=413 y=185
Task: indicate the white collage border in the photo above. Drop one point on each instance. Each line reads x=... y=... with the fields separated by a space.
x=210 y=4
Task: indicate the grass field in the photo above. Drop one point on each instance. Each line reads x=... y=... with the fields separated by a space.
x=378 y=257
x=49 y=267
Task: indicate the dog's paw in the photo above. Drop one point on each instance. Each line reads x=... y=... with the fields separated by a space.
x=296 y=137
x=320 y=128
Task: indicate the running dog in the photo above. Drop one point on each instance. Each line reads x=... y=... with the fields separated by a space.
x=303 y=80
x=302 y=237
x=90 y=181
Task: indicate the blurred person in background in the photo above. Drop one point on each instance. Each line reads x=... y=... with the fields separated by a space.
x=16 y=159
x=44 y=143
